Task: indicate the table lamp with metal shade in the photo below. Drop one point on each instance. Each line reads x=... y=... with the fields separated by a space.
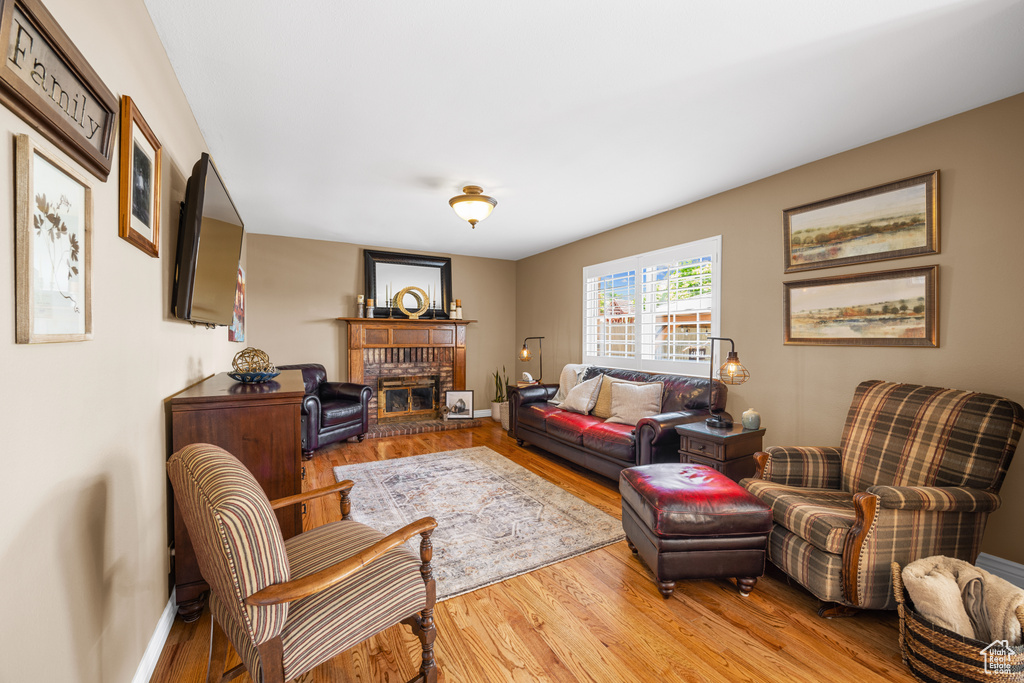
x=731 y=372
x=525 y=354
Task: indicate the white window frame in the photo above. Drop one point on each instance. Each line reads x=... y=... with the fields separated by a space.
x=637 y=263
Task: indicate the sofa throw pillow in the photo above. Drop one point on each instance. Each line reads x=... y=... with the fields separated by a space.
x=631 y=402
x=582 y=397
x=603 y=407
x=569 y=378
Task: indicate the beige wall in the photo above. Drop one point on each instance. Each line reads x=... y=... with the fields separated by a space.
x=297 y=287
x=802 y=393
x=83 y=560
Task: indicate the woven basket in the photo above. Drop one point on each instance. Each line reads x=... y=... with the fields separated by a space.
x=503 y=409
x=934 y=653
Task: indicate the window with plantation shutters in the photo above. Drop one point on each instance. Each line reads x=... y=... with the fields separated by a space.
x=654 y=311
x=609 y=313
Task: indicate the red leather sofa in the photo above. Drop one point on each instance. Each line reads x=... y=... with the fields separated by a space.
x=606 y=447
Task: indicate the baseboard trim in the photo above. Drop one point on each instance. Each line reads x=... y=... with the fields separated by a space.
x=482 y=413
x=151 y=656
x=1006 y=569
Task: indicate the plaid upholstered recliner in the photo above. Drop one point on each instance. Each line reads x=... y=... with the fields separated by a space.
x=288 y=606
x=917 y=473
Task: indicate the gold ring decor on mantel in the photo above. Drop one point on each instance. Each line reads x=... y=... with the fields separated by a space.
x=422 y=302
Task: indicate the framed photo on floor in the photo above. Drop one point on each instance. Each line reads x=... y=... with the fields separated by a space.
x=141 y=154
x=890 y=221
x=53 y=248
x=887 y=308
x=459 y=404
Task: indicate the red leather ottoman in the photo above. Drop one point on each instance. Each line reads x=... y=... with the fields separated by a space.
x=693 y=522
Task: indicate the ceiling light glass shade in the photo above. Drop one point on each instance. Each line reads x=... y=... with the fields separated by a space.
x=474 y=205
x=732 y=371
x=525 y=354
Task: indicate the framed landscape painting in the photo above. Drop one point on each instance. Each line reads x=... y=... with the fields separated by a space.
x=53 y=248
x=888 y=308
x=890 y=221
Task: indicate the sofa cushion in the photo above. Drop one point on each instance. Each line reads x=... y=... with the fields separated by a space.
x=681 y=392
x=568 y=426
x=631 y=402
x=581 y=398
x=603 y=407
x=613 y=440
x=339 y=412
x=536 y=414
x=822 y=517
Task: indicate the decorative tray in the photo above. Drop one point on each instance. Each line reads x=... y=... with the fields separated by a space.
x=253 y=377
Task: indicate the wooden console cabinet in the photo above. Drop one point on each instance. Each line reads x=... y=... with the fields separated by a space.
x=257 y=423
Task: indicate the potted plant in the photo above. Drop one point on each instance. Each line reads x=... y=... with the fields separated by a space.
x=500 y=394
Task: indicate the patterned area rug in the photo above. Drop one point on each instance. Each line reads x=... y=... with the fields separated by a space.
x=495 y=519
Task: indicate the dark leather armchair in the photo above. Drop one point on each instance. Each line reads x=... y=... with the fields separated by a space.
x=331 y=411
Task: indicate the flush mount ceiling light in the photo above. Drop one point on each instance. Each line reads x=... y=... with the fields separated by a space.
x=473 y=205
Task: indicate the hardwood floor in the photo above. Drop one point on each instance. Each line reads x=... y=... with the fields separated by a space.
x=597 y=617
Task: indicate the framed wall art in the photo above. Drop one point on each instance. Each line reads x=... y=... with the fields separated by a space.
x=236 y=331
x=139 y=216
x=887 y=308
x=459 y=404
x=46 y=81
x=53 y=248
x=890 y=221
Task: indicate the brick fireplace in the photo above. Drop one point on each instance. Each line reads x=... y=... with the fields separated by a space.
x=384 y=351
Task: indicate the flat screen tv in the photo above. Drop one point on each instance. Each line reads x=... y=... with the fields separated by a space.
x=209 y=245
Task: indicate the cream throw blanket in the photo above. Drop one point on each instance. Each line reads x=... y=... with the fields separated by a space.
x=965 y=599
x=569 y=378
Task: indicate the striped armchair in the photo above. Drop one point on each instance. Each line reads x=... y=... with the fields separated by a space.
x=917 y=473
x=288 y=606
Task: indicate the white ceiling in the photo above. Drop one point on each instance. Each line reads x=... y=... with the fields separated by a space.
x=357 y=121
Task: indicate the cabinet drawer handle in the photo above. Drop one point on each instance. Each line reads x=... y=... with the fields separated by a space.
x=700 y=447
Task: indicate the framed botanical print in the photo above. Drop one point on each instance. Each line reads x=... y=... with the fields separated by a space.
x=141 y=154
x=886 y=308
x=53 y=248
x=895 y=220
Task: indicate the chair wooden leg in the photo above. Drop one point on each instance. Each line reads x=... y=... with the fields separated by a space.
x=422 y=626
x=272 y=660
x=833 y=610
x=218 y=653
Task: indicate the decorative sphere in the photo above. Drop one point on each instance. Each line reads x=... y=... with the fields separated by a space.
x=252 y=360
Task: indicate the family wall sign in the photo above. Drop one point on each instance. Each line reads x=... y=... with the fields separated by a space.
x=46 y=81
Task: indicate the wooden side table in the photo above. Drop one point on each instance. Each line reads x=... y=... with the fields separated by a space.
x=730 y=451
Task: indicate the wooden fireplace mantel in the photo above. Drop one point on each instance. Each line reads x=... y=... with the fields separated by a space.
x=387 y=333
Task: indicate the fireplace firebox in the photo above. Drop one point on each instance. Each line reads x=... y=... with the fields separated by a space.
x=405 y=399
